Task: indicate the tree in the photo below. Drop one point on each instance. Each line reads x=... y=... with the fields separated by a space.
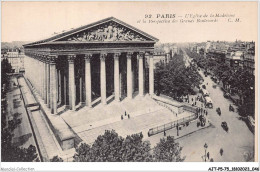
x=5 y=68
x=175 y=79
x=167 y=150
x=107 y=147
x=56 y=159
x=134 y=149
x=83 y=153
x=158 y=74
x=110 y=147
x=11 y=153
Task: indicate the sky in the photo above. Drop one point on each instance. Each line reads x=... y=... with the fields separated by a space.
x=32 y=21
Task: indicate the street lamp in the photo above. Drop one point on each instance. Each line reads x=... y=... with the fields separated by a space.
x=205 y=147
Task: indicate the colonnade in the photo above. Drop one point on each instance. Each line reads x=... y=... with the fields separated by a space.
x=42 y=72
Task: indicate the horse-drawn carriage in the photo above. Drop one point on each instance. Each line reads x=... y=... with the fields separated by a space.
x=224 y=126
x=218 y=111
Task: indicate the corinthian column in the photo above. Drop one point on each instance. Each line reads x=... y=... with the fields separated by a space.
x=141 y=74
x=116 y=76
x=53 y=83
x=72 y=95
x=103 y=78
x=129 y=76
x=151 y=75
x=88 y=79
x=45 y=80
x=48 y=82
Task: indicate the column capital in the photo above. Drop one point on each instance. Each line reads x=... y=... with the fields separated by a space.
x=129 y=55
x=88 y=56
x=45 y=58
x=41 y=58
x=35 y=56
x=103 y=56
x=52 y=59
x=71 y=58
x=140 y=55
x=116 y=56
x=150 y=54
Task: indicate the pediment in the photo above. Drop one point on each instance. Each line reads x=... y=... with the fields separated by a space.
x=109 y=31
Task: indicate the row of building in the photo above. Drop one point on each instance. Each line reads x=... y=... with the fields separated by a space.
x=15 y=58
x=165 y=52
x=235 y=54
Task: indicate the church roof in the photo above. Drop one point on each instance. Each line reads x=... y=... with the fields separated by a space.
x=60 y=36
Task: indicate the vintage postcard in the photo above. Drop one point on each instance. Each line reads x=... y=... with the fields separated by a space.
x=129 y=82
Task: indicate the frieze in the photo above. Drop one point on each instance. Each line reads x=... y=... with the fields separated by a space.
x=110 y=31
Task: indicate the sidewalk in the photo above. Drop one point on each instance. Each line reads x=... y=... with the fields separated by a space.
x=184 y=132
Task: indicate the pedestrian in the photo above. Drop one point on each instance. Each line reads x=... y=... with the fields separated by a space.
x=192 y=99
x=176 y=114
x=208 y=155
x=221 y=151
x=128 y=116
x=125 y=113
x=122 y=117
x=195 y=103
x=164 y=133
x=206 y=113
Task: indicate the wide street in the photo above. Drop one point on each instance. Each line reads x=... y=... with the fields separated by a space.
x=237 y=143
x=22 y=134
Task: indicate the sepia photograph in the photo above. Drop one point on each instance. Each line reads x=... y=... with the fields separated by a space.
x=153 y=81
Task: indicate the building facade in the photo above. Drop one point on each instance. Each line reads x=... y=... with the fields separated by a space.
x=16 y=59
x=249 y=60
x=103 y=59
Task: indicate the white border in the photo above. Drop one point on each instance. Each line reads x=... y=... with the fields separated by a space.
x=86 y=166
